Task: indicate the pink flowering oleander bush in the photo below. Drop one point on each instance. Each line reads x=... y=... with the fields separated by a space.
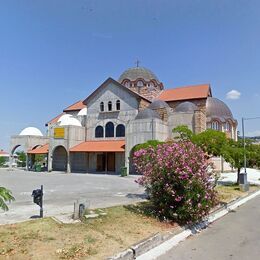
x=177 y=180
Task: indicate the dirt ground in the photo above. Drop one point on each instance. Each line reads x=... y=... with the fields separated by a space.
x=98 y=238
x=94 y=239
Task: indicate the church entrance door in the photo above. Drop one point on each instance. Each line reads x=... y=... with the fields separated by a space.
x=101 y=162
x=111 y=162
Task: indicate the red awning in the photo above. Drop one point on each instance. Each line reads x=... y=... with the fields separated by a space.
x=43 y=149
x=100 y=146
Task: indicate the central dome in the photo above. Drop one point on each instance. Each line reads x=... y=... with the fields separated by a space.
x=138 y=73
x=142 y=81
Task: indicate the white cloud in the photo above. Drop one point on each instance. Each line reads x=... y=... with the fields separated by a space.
x=233 y=94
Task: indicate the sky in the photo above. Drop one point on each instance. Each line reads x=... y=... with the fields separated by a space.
x=56 y=52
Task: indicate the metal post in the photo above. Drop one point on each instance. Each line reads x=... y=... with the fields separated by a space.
x=152 y=130
x=41 y=205
x=243 y=175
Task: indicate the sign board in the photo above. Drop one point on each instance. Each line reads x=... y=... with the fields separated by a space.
x=59 y=133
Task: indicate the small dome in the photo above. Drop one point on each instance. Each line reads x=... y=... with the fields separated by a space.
x=156 y=104
x=64 y=117
x=31 y=131
x=186 y=107
x=69 y=120
x=147 y=113
x=216 y=108
x=83 y=112
x=138 y=72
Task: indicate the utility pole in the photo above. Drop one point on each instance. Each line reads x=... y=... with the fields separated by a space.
x=244 y=185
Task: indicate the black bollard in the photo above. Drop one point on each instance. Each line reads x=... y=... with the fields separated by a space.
x=38 y=199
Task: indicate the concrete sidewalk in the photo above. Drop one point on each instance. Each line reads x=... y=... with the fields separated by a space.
x=62 y=190
x=253 y=176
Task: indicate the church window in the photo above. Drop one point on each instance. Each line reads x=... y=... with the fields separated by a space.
x=127 y=84
x=227 y=127
x=120 y=131
x=140 y=83
x=102 y=106
x=118 y=105
x=109 y=129
x=109 y=106
x=99 y=131
x=215 y=125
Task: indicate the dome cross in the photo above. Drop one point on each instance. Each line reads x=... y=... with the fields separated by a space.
x=137 y=63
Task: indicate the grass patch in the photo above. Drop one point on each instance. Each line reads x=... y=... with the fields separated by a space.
x=227 y=193
x=92 y=239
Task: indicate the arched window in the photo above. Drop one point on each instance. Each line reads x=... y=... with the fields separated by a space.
x=215 y=125
x=109 y=129
x=99 y=131
x=227 y=127
x=102 y=106
x=140 y=83
x=118 y=105
x=151 y=86
x=120 y=131
x=127 y=84
x=109 y=106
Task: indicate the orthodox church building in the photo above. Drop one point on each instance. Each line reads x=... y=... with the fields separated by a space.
x=98 y=134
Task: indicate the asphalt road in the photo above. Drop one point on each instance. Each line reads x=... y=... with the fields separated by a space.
x=233 y=237
x=61 y=190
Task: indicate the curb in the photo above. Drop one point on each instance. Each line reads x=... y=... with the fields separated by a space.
x=159 y=244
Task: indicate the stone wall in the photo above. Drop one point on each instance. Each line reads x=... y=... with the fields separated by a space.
x=200 y=124
x=200 y=103
x=143 y=104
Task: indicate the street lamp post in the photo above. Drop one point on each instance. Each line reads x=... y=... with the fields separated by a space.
x=244 y=185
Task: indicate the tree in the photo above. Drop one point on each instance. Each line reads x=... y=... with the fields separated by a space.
x=215 y=143
x=234 y=154
x=39 y=158
x=21 y=158
x=211 y=141
x=2 y=161
x=5 y=196
x=184 y=133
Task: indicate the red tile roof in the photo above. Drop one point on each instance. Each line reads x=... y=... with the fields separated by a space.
x=75 y=107
x=43 y=149
x=100 y=146
x=186 y=93
x=55 y=119
x=3 y=153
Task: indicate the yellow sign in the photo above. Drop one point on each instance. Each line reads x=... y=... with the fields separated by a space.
x=59 y=132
